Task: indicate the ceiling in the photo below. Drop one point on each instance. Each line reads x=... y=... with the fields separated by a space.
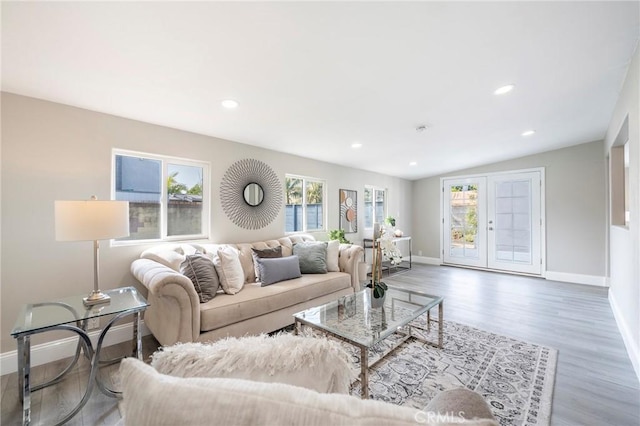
x=312 y=78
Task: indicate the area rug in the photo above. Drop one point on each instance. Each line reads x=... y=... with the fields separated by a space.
x=516 y=378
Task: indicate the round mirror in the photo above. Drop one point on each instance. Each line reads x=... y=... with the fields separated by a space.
x=253 y=194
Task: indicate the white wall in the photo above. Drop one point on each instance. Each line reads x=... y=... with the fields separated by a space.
x=624 y=242
x=56 y=152
x=575 y=209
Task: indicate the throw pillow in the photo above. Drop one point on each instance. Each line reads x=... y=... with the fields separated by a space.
x=276 y=269
x=229 y=268
x=200 y=270
x=312 y=255
x=264 y=254
x=318 y=363
x=333 y=253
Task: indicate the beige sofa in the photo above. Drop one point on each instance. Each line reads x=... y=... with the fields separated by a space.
x=176 y=315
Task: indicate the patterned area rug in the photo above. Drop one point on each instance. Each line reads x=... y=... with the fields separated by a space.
x=516 y=378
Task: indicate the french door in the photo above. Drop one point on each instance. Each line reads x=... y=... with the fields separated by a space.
x=494 y=221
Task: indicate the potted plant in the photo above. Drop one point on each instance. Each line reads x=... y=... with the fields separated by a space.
x=378 y=288
x=338 y=234
x=391 y=221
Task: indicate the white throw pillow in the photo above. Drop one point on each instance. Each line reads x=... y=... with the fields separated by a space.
x=229 y=269
x=170 y=256
x=333 y=251
x=319 y=364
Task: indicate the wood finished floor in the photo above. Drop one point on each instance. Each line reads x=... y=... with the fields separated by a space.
x=595 y=381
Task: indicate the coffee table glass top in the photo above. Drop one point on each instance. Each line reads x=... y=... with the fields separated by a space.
x=352 y=318
x=36 y=316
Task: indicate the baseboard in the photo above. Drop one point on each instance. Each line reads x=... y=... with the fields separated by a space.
x=426 y=260
x=64 y=348
x=627 y=338
x=595 y=280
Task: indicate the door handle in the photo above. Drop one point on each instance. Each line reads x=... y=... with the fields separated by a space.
x=491 y=228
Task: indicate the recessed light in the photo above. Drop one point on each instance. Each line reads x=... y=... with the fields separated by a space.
x=229 y=103
x=413 y=163
x=504 y=89
x=356 y=145
x=528 y=133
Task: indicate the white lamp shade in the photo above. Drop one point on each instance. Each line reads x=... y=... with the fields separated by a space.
x=91 y=220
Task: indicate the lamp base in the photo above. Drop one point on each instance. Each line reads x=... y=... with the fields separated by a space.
x=96 y=298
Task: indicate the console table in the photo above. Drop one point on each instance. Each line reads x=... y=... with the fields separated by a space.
x=368 y=243
x=72 y=315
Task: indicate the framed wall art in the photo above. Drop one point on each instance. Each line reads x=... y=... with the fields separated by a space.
x=348 y=210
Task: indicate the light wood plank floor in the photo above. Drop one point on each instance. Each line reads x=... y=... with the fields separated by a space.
x=595 y=382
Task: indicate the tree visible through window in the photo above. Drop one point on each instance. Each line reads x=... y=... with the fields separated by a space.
x=166 y=196
x=464 y=215
x=304 y=204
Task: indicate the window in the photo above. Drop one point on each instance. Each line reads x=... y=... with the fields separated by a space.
x=375 y=205
x=304 y=204
x=168 y=198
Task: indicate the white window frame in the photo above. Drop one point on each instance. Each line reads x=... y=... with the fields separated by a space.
x=306 y=179
x=373 y=204
x=165 y=161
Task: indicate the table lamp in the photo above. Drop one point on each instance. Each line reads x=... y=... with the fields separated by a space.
x=92 y=220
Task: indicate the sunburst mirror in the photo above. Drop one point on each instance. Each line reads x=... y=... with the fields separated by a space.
x=251 y=194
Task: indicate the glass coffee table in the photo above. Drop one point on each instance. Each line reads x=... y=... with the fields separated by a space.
x=352 y=320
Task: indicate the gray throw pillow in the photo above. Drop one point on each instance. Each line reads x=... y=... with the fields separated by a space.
x=202 y=273
x=264 y=254
x=276 y=269
x=313 y=256
x=268 y=252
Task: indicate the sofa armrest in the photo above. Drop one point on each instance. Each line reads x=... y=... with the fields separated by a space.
x=174 y=311
x=349 y=256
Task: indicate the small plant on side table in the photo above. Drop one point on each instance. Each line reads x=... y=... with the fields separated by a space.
x=391 y=221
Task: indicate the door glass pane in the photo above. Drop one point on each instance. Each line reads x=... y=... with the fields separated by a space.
x=504 y=220
x=521 y=205
x=463 y=211
x=504 y=189
x=184 y=196
x=513 y=221
x=521 y=188
x=504 y=205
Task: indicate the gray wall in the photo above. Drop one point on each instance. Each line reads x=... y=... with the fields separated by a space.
x=624 y=242
x=575 y=207
x=56 y=152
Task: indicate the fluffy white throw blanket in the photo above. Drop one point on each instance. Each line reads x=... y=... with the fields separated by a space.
x=285 y=358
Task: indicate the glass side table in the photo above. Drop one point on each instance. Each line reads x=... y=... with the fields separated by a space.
x=71 y=314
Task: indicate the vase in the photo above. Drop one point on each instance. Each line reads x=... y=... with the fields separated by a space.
x=376 y=302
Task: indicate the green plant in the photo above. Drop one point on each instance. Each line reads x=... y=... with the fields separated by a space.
x=391 y=221
x=379 y=288
x=338 y=234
